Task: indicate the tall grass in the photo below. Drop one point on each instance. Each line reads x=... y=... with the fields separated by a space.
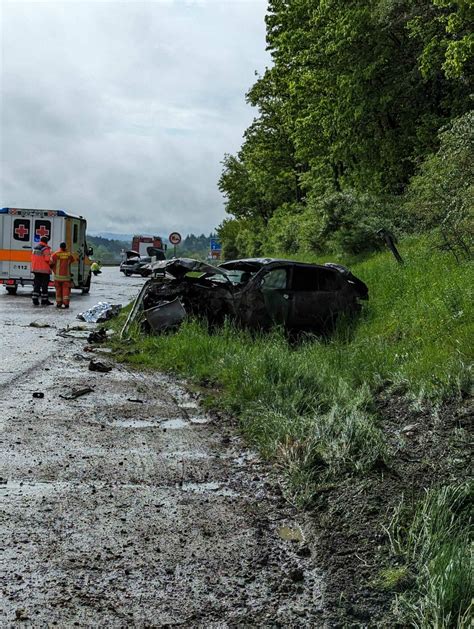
x=435 y=540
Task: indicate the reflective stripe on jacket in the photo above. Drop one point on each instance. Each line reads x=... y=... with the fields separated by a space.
x=61 y=264
x=40 y=259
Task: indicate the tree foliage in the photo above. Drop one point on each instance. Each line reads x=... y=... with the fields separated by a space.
x=350 y=107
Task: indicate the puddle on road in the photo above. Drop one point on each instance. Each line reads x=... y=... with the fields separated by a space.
x=290 y=534
x=200 y=420
x=205 y=488
x=187 y=454
x=168 y=424
x=135 y=423
x=174 y=424
x=190 y=404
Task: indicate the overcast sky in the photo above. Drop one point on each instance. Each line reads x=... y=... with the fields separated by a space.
x=122 y=111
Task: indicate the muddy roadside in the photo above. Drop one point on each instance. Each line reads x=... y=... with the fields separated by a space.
x=130 y=506
x=429 y=447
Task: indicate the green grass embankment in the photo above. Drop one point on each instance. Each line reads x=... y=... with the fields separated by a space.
x=414 y=336
x=312 y=408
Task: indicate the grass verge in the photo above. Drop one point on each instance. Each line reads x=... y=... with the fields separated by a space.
x=313 y=408
x=433 y=538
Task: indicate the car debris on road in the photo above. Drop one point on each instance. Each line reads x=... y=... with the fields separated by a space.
x=98 y=365
x=256 y=293
x=75 y=393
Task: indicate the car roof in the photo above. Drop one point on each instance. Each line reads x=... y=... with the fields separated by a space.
x=258 y=263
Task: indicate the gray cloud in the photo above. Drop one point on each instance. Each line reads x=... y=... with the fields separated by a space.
x=122 y=112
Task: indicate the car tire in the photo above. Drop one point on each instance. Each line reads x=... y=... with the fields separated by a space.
x=127 y=274
x=12 y=290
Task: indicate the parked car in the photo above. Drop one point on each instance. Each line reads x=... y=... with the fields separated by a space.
x=256 y=292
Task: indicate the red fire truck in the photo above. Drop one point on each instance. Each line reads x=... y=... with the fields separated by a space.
x=140 y=244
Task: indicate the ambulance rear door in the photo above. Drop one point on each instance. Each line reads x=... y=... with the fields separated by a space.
x=21 y=226
x=5 y=244
x=26 y=230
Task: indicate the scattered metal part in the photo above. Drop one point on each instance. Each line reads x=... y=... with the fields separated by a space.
x=165 y=315
x=98 y=365
x=75 y=393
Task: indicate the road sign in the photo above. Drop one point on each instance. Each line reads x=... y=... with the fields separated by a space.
x=216 y=244
x=174 y=238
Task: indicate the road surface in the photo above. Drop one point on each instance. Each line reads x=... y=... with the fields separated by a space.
x=130 y=506
x=24 y=347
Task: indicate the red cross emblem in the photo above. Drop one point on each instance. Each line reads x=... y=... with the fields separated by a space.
x=42 y=231
x=22 y=231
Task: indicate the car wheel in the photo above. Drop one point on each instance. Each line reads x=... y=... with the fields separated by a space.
x=12 y=290
x=127 y=273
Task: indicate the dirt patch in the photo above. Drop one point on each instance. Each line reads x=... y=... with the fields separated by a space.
x=429 y=449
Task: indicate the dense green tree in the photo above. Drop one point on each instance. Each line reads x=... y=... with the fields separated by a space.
x=441 y=195
x=352 y=104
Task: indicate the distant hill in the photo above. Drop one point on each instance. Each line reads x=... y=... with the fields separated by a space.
x=113 y=236
x=107 y=250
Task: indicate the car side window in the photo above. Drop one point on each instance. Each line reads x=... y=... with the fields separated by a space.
x=315 y=279
x=275 y=279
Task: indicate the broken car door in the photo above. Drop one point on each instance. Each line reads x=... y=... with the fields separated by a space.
x=276 y=297
x=263 y=302
x=316 y=297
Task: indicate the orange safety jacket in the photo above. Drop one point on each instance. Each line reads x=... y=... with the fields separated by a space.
x=61 y=264
x=40 y=259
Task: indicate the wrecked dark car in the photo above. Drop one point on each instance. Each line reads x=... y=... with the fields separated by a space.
x=257 y=293
x=134 y=264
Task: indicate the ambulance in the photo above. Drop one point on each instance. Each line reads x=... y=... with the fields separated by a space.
x=20 y=232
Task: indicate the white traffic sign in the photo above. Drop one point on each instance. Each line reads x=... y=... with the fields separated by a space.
x=174 y=238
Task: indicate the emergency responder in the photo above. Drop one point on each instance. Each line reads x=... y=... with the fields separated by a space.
x=96 y=268
x=40 y=261
x=61 y=261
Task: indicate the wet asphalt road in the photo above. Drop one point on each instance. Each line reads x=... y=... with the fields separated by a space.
x=23 y=346
x=131 y=506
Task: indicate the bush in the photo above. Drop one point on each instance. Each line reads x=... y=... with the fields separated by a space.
x=240 y=237
x=283 y=231
x=345 y=222
x=441 y=195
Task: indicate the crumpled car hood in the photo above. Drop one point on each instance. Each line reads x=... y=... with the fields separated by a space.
x=178 y=267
